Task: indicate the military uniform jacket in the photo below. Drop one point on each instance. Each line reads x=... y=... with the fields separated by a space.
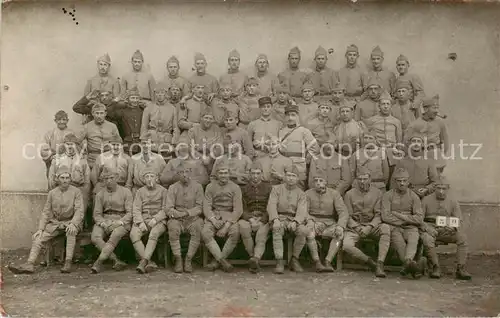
x=242 y=137
x=149 y=204
x=386 y=78
x=292 y=139
x=54 y=142
x=98 y=135
x=423 y=173
x=364 y=207
x=327 y=207
x=155 y=162
x=161 y=121
x=186 y=197
x=306 y=111
x=178 y=81
x=267 y=83
x=323 y=80
x=141 y=80
x=374 y=161
x=249 y=108
x=209 y=81
x=223 y=201
x=113 y=205
x=129 y=120
x=417 y=92
x=278 y=112
x=62 y=207
x=293 y=79
x=102 y=83
x=262 y=127
x=402 y=210
x=170 y=175
x=219 y=108
x=205 y=138
x=350 y=132
x=433 y=208
x=434 y=130
x=239 y=167
x=366 y=109
x=274 y=165
x=288 y=203
x=335 y=170
x=78 y=167
x=388 y=130
x=236 y=80
x=191 y=113
x=321 y=128
x=255 y=199
x=120 y=163
x=406 y=113
x=353 y=79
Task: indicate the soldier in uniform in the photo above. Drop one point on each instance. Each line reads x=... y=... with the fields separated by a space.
x=348 y=132
x=323 y=78
x=175 y=94
x=327 y=219
x=287 y=210
x=293 y=77
x=103 y=81
x=222 y=103
x=441 y=204
x=417 y=88
x=268 y=83
x=237 y=133
x=149 y=218
x=351 y=76
x=369 y=106
x=255 y=196
x=402 y=210
x=248 y=103
x=338 y=99
x=273 y=162
x=434 y=131
x=184 y=208
x=403 y=108
x=363 y=203
x=201 y=77
x=293 y=138
x=190 y=111
x=234 y=77
x=387 y=78
x=84 y=105
x=307 y=106
x=222 y=208
x=264 y=126
x=238 y=163
x=62 y=214
x=139 y=78
x=173 y=78
x=321 y=125
x=282 y=100
x=112 y=219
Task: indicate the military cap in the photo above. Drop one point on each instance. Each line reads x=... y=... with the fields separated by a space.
x=362 y=170
x=256 y=165
x=442 y=180
x=183 y=140
x=173 y=59
x=115 y=139
x=138 y=55
x=108 y=172
x=226 y=86
x=252 y=81
x=352 y=48
x=291 y=108
x=403 y=84
x=401 y=58
x=207 y=111
x=146 y=136
x=415 y=134
x=319 y=175
x=184 y=165
x=161 y=86
x=198 y=56
x=265 y=100
x=134 y=91
x=347 y=104
x=98 y=106
x=294 y=50
x=261 y=56
x=149 y=170
x=320 y=51
x=104 y=58
x=282 y=89
x=62 y=170
x=292 y=169
x=401 y=173
x=385 y=96
x=228 y=113
x=61 y=114
x=377 y=52
x=174 y=85
x=374 y=82
x=324 y=103
x=71 y=138
x=234 y=53
x=222 y=167
x=338 y=87
x=431 y=101
x=307 y=85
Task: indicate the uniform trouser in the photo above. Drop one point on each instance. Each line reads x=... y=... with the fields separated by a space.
x=301 y=232
x=208 y=235
x=448 y=236
x=301 y=165
x=176 y=227
x=262 y=232
x=405 y=241
x=85 y=201
x=136 y=236
x=48 y=234
x=382 y=232
x=107 y=247
x=321 y=229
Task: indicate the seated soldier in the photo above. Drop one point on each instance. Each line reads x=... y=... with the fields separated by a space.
x=402 y=210
x=149 y=218
x=62 y=214
x=112 y=218
x=255 y=219
x=440 y=203
x=363 y=202
x=238 y=134
x=327 y=219
x=320 y=124
x=222 y=208
x=273 y=163
x=238 y=163
x=348 y=132
x=287 y=210
x=184 y=208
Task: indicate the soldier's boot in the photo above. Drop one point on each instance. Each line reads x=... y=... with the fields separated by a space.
x=151 y=267
x=97 y=267
x=416 y=270
x=188 y=266
x=379 y=270
x=462 y=274
x=213 y=265
x=280 y=266
x=27 y=268
x=406 y=268
x=328 y=266
x=253 y=263
x=319 y=267
x=119 y=265
x=295 y=265
x=66 y=267
x=178 y=267
x=435 y=272
x=371 y=264
x=141 y=268
x=225 y=265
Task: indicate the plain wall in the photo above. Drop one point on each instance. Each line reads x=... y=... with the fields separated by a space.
x=47 y=59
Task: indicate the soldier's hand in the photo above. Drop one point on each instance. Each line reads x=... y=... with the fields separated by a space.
x=152 y=223
x=365 y=231
x=93 y=94
x=276 y=224
x=293 y=226
x=143 y=227
x=339 y=232
x=37 y=234
x=223 y=231
x=71 y=230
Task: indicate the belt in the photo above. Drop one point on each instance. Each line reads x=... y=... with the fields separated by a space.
x=94 y=150
x=286 y=213
x=292 y=154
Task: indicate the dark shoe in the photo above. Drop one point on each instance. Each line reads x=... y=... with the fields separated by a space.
x=379 y=270
x=119 y=265
x=151 y=267
x=97 y=267
x=213 y=265
x=319 y=267
x=141 y=268
x=280 y=266
x=416 y=270
x=462 y=274
x=27 y=268
x=328 y=268
x=295 y=265
x=188 y=266
x=372 y=264
x=436 y=272
x=225 y=265
x=178 y=267
x=406 y=268
x=66 y=267
x=253 y=263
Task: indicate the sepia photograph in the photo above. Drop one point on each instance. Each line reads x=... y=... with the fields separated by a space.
x=250 y=158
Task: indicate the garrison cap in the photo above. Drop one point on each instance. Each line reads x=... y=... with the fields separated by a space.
x=261 y=56
x=338 y=87
x=256 y=165
x=71 y=138
x=61 y=114
x=320 y=51
x=104 y=58
x=108 y=172
x=307 y=85
x=148 y=170
x=234 y=53
x=292 y=169
x=138 y=55
x=401 y=173
x=282 y=89
x=401 y=57
x=362 y=170
x=173 y=59
x=134 y=91
x=198 y=56
x=377 y=52
x=294 y=50
x=116 y=139
x=442 y=180
x=352 y=48
x=385 y=96
x=347 y=104
x=62 y=170
x=403 y=84
x=207 y=111
x=98 y=106
x=161 y=86
x=374 y=82
x=146 y=136
x=431 y=101
x=252 y=81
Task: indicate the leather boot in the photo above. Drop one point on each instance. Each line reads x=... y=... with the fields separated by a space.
x=178 y=264
x=213 y=265
x=119 y=265
x=188 y=266
x=328 y=267
x=462 y=274
x=416 y=270
x=141 y=268
x=406 y=268
x=97 y=267
x=280 y=266
x=372 y=264
x=253 y=263
x=435 y=272
x=379 y=270
x=225 y=265
x=319 y=267
x=151 y=267
x=295 y=265
x=66 y=267
x=27 y=268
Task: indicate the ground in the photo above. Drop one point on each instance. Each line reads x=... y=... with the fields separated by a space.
x=165 y=294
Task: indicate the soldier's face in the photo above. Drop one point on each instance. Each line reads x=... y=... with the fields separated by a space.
x=137 y=64
x=265 y=109
x=146 y=146
x=200 y=66
x=369 y=141
x=99 y=115
x=319 y=184
x=173 y=68
x=70 y=148
x=416 y=144
x=402 y=67
x=223 y=176
x=103 y=67
x=307 y=93
x=230 y=122
x=338 y=95
x=374 y=91
x=385 y=107
x=110 y=181
x=185 y=175
x=183 y=151
x=291 y=178
x=262 y=65
x=403 y=94
x=161 y=95
x=273 y=146
x=207 y=120
x=282 y=97
x=234 y=63
x=134 y=100
x=364 y=181
x=255 y=175
x=345 y=114
x=62 y=122
x=64 y=180
x=175 y=93
x=324 y=110
x=294 y=60
x=291 y=118
x=116 y=147
x=432 y=111
x=252 y=89
x=225 y=93
x=198 y=91
x=441 y=190
x=150 y=180
x=402 y=183
x=352 y=57
x=320 y=61
x=377 y=61
x=105 y=97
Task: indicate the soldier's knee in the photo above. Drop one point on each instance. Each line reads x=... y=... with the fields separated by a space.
x=135 y=234
x=119 y=232
x=348 y=244
x=206 y=234
x=303 y=231
x=174 y=229
x=234 y=230
x=245 y=228
x=96 y=236
x=156 y=232
x=385 y=229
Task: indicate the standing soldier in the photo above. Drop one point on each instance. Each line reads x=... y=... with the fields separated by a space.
x=222 y=208
x=417 y=88
x=273 y=163
x=103 y=81
x=363 y=203
x=238 y=163
x=321 y=125
x=293 y=77
x=323 y=78
x=348 y=132
x=201 y=77
x=402 y=210
x=403 y=108
x=338 y=99
x=368 y=107
x=351 y=76
x=293 y=139
x=234 y=76
x=255 y=219
x=112 y=218
x=223 y=103
x=237 y=133
x=173 y=78
x=268 y=83
x=307 y=106
x=436 y=205
x=282 y=100
x=387 y=78
x=248 y=103
x=287 y=210
x=264 y=126
x=434 y=131
x=184 y=208
x=139 y=78
x=327 y=219
x=190 y=111
x=62 y=214
x=149 y=217
x=84 y=105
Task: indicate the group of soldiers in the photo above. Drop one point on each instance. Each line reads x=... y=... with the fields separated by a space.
x=311 y=154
